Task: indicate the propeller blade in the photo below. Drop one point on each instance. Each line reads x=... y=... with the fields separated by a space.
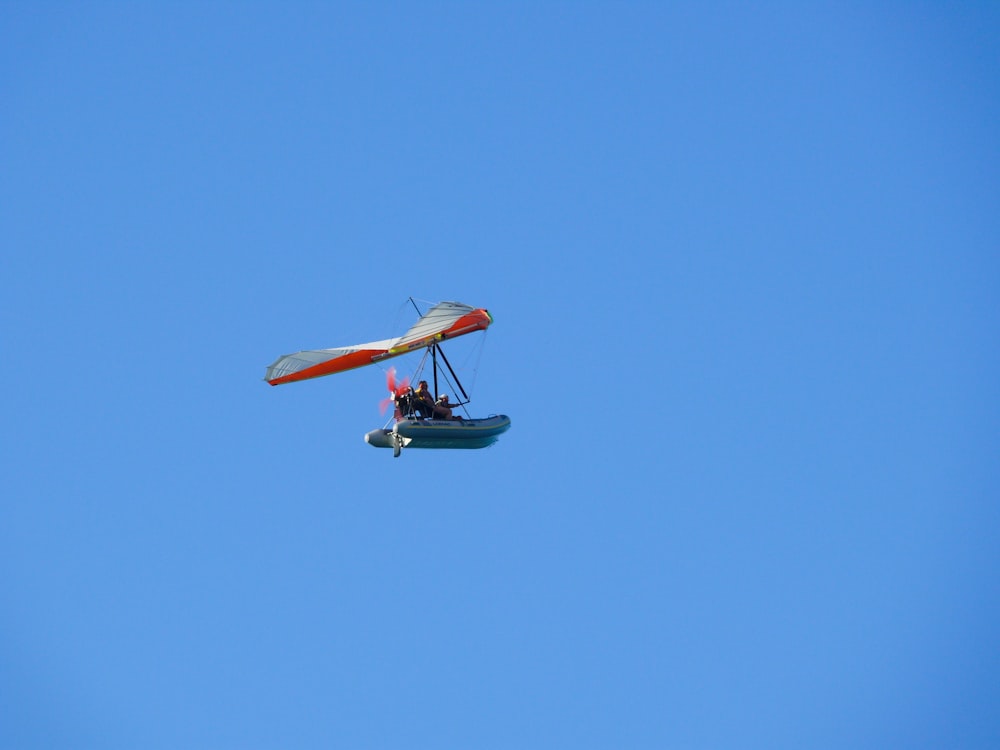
x=395 y=389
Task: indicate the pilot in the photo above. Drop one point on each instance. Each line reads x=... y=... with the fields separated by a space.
x=423 y=401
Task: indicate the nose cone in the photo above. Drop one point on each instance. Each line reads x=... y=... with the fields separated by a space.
x=379 y=439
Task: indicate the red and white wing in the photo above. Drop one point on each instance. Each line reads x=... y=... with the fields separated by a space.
x=444 y=320
x=314 y=363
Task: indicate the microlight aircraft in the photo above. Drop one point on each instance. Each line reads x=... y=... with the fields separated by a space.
x=410 y=428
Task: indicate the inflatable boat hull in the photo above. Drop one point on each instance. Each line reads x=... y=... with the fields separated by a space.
x=440 y=433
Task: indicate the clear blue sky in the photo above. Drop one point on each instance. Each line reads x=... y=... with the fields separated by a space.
x=743 y=261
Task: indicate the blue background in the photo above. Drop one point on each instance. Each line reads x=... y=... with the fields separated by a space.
x=743 y=261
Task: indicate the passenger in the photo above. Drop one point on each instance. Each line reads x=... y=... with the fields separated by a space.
x=442 y=409
x=422 y=400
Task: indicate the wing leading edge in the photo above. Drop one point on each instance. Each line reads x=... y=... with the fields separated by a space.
x=444 y=320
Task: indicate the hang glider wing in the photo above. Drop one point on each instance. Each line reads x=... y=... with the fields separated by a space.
x=444 y=320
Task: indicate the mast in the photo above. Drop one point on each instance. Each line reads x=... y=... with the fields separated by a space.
x=434 y=363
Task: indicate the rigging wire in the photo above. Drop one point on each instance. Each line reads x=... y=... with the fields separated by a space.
x=476 y=351
x=396 y=324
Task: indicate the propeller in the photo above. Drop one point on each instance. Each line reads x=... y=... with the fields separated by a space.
x=395 y=389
